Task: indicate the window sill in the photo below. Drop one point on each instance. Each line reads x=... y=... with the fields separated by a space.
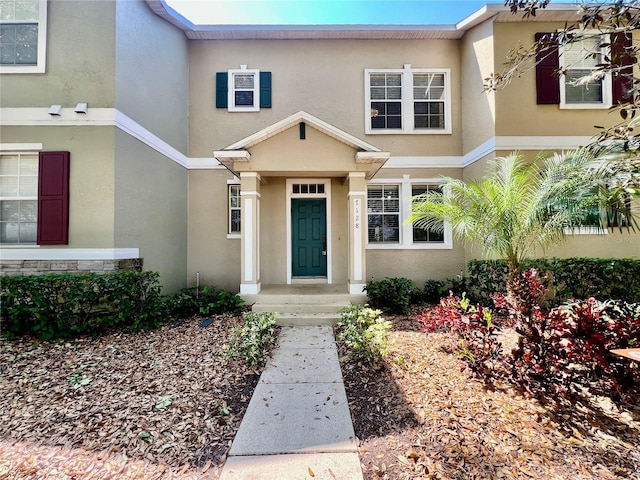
x=441 y=131
x=19 y=245
x=414 y=246
x=234 y=236
x=584 y=106
x=586 y=231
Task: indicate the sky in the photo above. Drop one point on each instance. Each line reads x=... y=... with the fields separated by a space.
x=322 y=12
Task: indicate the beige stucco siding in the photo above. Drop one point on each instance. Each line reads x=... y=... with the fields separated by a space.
x=478 y=107
x=150 y=209
x=152 y=72
x=516 y=110
x=417 y=265
x=273 y=232
x=324 y=78
x=80 y=62
x=91 y=182
x=210 y=252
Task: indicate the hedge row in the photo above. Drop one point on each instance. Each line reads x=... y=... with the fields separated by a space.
x=67 y=305
x=568 y=278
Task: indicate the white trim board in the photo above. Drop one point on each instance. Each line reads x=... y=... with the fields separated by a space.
x=43 y=253
x=113 y=117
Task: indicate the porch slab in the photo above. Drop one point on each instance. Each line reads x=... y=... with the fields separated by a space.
x=323 y=466
x=295 y=418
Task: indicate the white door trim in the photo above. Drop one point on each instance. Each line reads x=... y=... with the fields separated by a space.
x=327 y=196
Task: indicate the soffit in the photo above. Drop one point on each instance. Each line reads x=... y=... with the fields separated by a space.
x=553 y=13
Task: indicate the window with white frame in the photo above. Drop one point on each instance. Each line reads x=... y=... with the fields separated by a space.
x=244 y=90
x=389 y=207
x=420 y=235
x=18 y=198
x=23 y=34
x=407 y=100
x=383 y=213
x=578 y=60
x=234 y=209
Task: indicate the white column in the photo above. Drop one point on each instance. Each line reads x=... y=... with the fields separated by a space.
x=357 y=233
x=250 y=233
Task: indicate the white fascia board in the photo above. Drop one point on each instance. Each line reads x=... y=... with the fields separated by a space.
x=43 y=253
x=234 y=154
x=424 y=162
x=204 y=163
x=543 y=142
x=109 y=117
x=295 y=119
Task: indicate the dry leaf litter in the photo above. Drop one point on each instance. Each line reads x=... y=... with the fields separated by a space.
x=419 y=415
x=161 y=404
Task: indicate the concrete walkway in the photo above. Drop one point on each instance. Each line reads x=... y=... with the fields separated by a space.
x=297 y=425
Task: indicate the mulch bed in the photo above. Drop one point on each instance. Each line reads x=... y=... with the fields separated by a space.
x=161 y=404
x=421 y=415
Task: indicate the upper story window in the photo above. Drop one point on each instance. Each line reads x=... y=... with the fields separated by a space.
x=23 y=34
x=243 y=90
x=578 y=60
x=408 y=100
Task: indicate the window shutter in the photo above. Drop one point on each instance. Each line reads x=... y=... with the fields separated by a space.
x=222 y=80
x=53 y=198
x=547 y=84
x=622 y=80
x=265 y=89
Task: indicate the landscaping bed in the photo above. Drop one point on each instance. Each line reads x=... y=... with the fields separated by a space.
x=421 y=414
x=156 y=404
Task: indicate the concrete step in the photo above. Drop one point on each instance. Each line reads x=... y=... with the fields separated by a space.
x=307 y=319
x=333 y=307
x=304 y=298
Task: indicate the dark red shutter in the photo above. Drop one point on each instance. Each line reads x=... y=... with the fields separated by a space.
x=53 y=198
x=620 y=56
x=547 y=83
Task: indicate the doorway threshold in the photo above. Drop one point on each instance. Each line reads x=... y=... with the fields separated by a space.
x=309 y=280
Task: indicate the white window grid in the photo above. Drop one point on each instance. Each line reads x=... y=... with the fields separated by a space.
x=405 y=188
x=18 y=198
x=576 y=60
x=425 y=96
x=16 y=13
x=243 y=83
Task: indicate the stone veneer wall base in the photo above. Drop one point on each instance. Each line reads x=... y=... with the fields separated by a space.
x=41 y=267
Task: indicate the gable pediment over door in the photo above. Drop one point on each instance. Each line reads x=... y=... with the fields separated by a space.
x=302 y=145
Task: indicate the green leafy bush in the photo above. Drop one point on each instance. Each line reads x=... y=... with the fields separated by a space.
x=67 y=305
x=250 y=340
x=205 y=300
x=393 y=295
x=364 y=331
x=433 y=291
x=568 y=278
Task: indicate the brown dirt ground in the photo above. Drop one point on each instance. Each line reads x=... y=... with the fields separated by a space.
x=162 y=404
x=420 y=415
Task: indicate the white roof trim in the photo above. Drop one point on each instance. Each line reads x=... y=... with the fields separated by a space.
x=294 y=120
x=553 y=12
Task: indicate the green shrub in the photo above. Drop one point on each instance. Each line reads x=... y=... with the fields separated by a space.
x=67 y=305
x=205 y=300
x=364 y=332
x=393 y=295
x=568 y=278
x=250 y=340
x=433 y=291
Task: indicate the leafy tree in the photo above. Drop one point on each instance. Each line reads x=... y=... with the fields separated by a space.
x=618 y=144
x=518 y=207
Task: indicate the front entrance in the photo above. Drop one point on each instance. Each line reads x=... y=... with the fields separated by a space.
x=309 y=237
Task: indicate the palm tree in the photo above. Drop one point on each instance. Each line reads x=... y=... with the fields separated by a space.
x=519 y=207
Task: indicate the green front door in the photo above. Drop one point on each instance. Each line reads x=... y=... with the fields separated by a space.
x=309 y=242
